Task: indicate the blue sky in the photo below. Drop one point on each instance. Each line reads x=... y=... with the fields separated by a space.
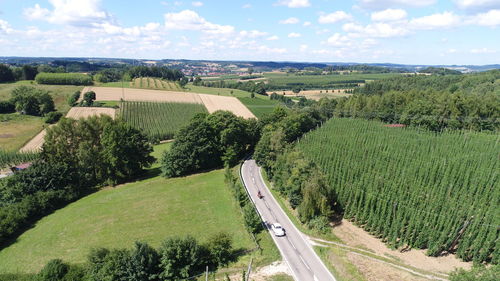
x=397 y=31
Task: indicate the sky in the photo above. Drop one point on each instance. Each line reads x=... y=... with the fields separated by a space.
x=365 y=31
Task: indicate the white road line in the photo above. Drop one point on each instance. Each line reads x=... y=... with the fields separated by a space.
x=291 y=243
x=304 y=262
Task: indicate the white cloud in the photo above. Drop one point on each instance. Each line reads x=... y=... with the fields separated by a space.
x=72 y=12
x=482 y=51
x=334 y=17
x=374 y=30
x=389 y=15
x=490 y=18
x=294 y=35
x=303 y=47
x=197 y=3
x=267 y=50
x=190 y=20
x=307 y=23
x=272 y=38
x=478 y=4
x=434 y=21
x=339 y=40
x=378 y=4
x=5 y=27
x=291 y=20
x=247 y=6
x=294 y=3
x=252 y=33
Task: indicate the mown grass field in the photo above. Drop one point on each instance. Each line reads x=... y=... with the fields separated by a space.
x=259 y=106
x=16 y=129
x=148 y=210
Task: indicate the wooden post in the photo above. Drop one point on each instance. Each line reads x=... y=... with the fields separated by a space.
x=249 y=270
x=206 y=275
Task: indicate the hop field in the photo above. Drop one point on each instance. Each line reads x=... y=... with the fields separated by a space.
x=414 y=188
x=160 y=121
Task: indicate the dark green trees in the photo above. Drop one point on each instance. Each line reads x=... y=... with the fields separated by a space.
x=32 y=101
x=207 y=142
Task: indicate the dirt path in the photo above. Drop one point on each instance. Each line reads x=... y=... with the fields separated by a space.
x=35 y=144
x=365 y=244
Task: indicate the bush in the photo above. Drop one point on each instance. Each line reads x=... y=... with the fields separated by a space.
x=53 y=117
x=7 y=107
x=54 y=270
x=74 y=98
x=321 y=224
x=63 y=79
x=252 y=219
x=6 y=74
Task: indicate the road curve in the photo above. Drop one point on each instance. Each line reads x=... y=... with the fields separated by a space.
x=294 y=247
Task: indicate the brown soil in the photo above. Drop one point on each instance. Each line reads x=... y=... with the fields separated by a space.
x=214 y=103
x=5 y=136
x=356 y=237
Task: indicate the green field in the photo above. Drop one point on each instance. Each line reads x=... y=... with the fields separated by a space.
x=221 y=91
x=287 y=81
x=16 y=129
x=156 y=84
x=149 y=210
x=259 y=106
x=159 y=120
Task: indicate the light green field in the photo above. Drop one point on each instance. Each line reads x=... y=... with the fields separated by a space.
x=221 y=91
x=149 y=210
x=259 y=106
x=155 y=84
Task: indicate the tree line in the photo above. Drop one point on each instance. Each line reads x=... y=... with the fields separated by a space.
x=177 y=258
x=77 y=157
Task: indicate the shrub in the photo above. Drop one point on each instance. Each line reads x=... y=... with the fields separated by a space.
x=53 y=270
x=63 y=79
x=52 y=117
x=32 y=101
x=74 y=98
x=7 y=107
x=320 y=224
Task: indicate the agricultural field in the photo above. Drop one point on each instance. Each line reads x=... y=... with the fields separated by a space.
x=130 y=94
x=155 y=84
x=259 y=107
x=409 y=186
x=8 y=158
x=316 y=94
x=16 y=130
x=214 y=103
x=159 y=120
x=147 y=210
x=277 y=81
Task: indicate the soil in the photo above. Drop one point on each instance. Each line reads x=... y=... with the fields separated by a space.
x=356 y=237
x=6 y=136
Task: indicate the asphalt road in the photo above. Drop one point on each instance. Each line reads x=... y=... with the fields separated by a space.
x=294 y=247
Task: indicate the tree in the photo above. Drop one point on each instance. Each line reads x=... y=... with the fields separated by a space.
x=296 y=90
x=100 y=149
x=179 y=258
x=219 y=247
x=32 y=101
x=144 y=263
x=29 y=72
x=88 y=98
x=183 y=82
x=6 y=74
x=74 y=98
x=252 y=219
x=250 y=70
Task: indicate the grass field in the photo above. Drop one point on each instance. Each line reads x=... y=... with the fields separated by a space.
x=16 y=130
x=149 y=210
x=259 y=106
x=159 y=120
x=221 y=91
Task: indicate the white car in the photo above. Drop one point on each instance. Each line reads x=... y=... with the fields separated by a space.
x=278 y=229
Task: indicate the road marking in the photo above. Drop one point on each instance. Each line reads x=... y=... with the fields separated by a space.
x=304 y=262
x=291 y=244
